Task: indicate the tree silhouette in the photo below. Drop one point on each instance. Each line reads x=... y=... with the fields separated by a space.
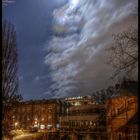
x=105 y=94
x=123 y=55
x=10 y=94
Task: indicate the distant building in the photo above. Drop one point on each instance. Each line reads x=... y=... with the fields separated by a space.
x=80 y=100
x=120 y=110
x=43 y=114
x=83 y=116
x=78 y=115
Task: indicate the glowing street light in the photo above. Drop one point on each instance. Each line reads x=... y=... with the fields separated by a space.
x=16 y=124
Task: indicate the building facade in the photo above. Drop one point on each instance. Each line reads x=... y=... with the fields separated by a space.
x=130 y=129
x=120 y=110
x=42 y=114
x=76 y=118
x=82 y=117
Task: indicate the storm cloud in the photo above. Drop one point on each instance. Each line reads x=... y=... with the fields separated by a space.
x=82 y=31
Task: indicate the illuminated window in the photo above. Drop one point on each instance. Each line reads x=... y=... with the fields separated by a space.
x=94 y=124
x=67 y=110
x=50 y=110
x=42 y=126
x=49 y=117
x=86 y=123
x=117 y=111
x=77 y=103
x=90 y=123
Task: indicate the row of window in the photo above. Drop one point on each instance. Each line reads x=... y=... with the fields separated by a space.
x=31 y=108
x=82 y=123
x=88 y=112
x=28 y=118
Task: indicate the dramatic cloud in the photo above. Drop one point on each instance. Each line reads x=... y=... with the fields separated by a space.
x=82 y=30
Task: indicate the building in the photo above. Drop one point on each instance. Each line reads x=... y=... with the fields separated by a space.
x=82 y=117
x=73 y=117
x=120 y=111
x=80 y=100
x=41 y=114
x=130 y=129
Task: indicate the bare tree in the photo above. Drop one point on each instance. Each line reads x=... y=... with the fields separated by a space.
x=104 y=94
x=123 y=55
x=10 y=94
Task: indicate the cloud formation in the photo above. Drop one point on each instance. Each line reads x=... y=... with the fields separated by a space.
x=82 y=30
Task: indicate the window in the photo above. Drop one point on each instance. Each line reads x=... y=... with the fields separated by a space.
x=28 y=118
x=117 y=111
x=85 y=103
x=82 y=123
x=91 y=123
x=43 y=108
x=86 y=123
x=42 y=118
x=35 y=117
x=77 y=103
x=119 y=136
x=25 y=118
x=50 y=110
x=135 y=136
x=94 y=124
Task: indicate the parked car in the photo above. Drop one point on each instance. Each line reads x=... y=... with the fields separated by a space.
x=34 y=129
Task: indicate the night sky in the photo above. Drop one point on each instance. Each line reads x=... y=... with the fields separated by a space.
x=61 y=43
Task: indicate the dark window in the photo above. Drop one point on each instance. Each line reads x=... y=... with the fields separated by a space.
x=119 y=137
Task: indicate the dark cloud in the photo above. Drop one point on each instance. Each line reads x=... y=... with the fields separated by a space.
x=78 y=60
x=72 y=36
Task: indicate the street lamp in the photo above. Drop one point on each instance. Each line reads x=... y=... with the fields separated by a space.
x=16 y=124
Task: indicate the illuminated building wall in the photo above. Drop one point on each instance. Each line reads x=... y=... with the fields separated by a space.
x=80 y=100
x=83 y=114
x=43 y=114
x=119 y=111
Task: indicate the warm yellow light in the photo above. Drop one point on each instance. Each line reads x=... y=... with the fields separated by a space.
x=16 y=123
